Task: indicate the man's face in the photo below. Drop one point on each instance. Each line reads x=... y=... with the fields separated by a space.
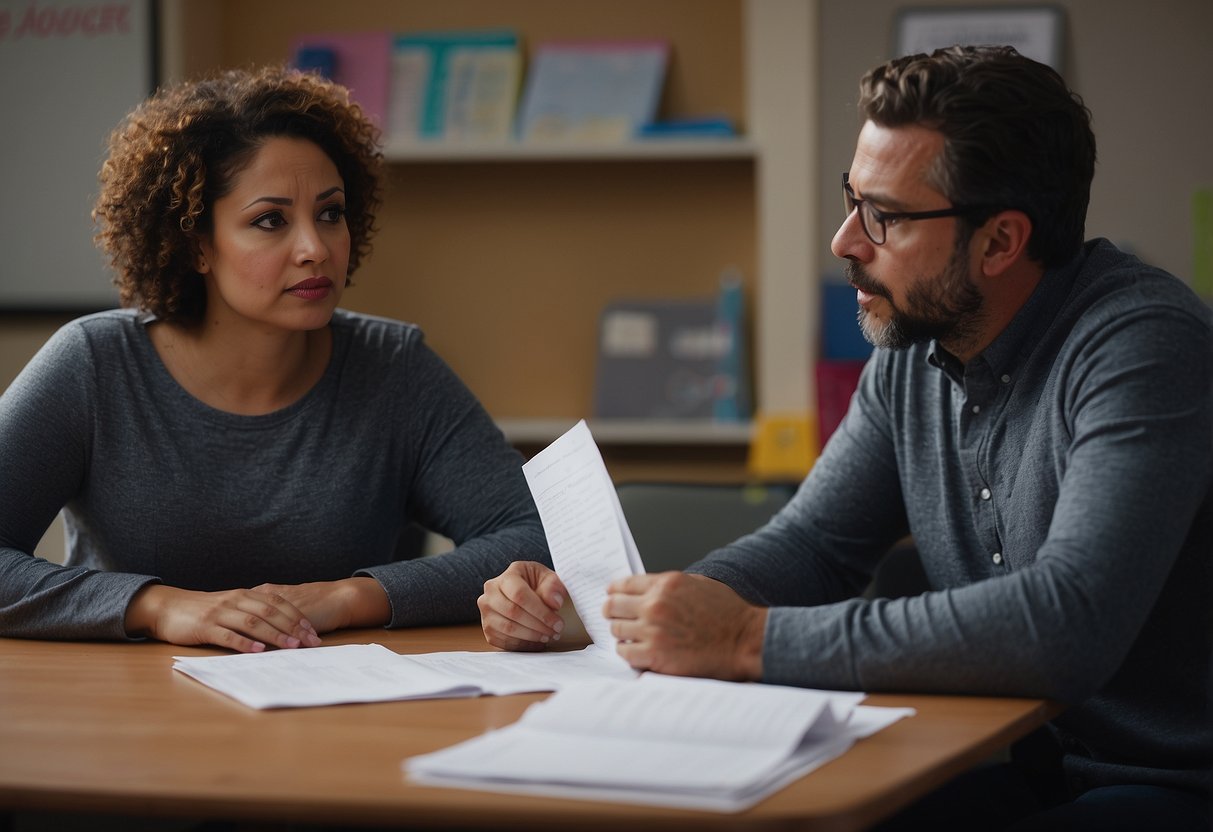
x=918 y=284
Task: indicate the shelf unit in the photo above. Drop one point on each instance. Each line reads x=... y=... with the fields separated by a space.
x=399 y=152
x=625 y=218
x=631 y=431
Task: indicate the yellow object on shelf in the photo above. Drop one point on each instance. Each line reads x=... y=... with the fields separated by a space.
x=784 y=446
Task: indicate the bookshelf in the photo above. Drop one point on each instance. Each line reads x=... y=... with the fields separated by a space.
x=506 y=254
x=654 y=149
x=631 y=431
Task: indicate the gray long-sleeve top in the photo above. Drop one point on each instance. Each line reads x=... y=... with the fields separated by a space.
x=1059 y=488
x=157 y=485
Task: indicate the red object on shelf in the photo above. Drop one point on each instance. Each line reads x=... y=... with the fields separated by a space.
x=836 y=383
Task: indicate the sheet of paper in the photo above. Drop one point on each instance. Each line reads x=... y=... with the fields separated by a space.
x=372 y=673
x=506 y=673
x=321 y=676
x=587 y=534
x=676 y=708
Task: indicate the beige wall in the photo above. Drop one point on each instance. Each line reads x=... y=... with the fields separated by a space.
x=1142 y=69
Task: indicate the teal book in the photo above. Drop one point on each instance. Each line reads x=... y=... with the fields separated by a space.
x=456 y=85
x=731 y=401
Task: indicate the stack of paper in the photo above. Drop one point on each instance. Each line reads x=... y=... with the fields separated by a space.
x=660 y=740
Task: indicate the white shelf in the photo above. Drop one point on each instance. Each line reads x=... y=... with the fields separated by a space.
x=657 y=149
x=631 y=431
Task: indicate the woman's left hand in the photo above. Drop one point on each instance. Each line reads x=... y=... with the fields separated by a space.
x=337 y=605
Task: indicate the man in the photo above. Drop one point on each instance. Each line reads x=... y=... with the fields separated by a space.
x=1037 y=415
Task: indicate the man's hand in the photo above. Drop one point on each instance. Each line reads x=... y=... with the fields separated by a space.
x=519 y=609
x=244 y=620
x=686 y=625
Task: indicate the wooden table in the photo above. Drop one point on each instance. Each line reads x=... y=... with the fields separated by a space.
x=111 y=728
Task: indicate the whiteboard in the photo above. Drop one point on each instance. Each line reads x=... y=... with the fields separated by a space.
x=71 y=70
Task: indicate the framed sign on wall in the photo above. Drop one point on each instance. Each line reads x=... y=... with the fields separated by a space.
x=1035 y=31
x=72 y=69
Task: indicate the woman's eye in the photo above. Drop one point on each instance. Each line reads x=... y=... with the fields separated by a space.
x=332 y=213
x=270 y=220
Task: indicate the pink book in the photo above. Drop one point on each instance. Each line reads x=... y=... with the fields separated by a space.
x=361 y=62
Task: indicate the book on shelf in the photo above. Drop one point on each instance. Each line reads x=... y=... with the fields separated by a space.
x=358 y=61
x=592 y=91
x=674 y=358
x=454 y=86
x=844 y=351
x=731 y=402
x=689 y=127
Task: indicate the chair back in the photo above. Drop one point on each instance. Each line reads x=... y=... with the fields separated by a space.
x=676 y=524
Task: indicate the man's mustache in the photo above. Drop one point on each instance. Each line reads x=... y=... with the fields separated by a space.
x=863 y=281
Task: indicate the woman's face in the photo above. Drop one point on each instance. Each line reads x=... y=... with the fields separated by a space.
x=277 y=255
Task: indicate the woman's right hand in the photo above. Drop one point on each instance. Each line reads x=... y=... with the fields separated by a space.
x=243 y=620
x=520 y=608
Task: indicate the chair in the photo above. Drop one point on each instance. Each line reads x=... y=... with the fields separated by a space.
x=676 y=524
x=899 y=573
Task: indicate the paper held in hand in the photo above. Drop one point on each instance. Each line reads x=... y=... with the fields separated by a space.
x=587 y=533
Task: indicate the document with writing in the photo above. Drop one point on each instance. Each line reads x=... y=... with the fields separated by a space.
x=587 y=534
x=372 y=673
x=660 y=740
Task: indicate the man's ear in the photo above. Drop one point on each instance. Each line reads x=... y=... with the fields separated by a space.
x=1004 y=241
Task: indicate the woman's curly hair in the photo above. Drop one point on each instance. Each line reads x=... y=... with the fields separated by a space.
x=180 y=150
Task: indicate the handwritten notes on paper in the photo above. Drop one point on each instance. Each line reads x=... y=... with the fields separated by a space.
x=587 y=533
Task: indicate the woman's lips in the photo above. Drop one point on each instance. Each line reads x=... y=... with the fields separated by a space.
x=314 y=288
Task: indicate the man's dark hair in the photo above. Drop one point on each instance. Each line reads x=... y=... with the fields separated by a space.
x=1015 y=136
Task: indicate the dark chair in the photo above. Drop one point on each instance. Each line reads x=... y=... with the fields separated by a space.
x=676 y=524
x=898 y=574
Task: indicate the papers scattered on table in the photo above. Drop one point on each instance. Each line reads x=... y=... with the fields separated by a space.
x=608 y=733
x=660 y=740
x=372 y=673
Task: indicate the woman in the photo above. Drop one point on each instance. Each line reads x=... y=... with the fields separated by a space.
x=238 y=459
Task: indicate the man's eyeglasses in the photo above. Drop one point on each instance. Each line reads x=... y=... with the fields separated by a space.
x=873 y=220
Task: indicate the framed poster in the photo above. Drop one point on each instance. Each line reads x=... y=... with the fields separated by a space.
x=1035 y=31
x=72 y=70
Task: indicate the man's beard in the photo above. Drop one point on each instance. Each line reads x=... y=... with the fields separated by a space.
x=947 y=308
